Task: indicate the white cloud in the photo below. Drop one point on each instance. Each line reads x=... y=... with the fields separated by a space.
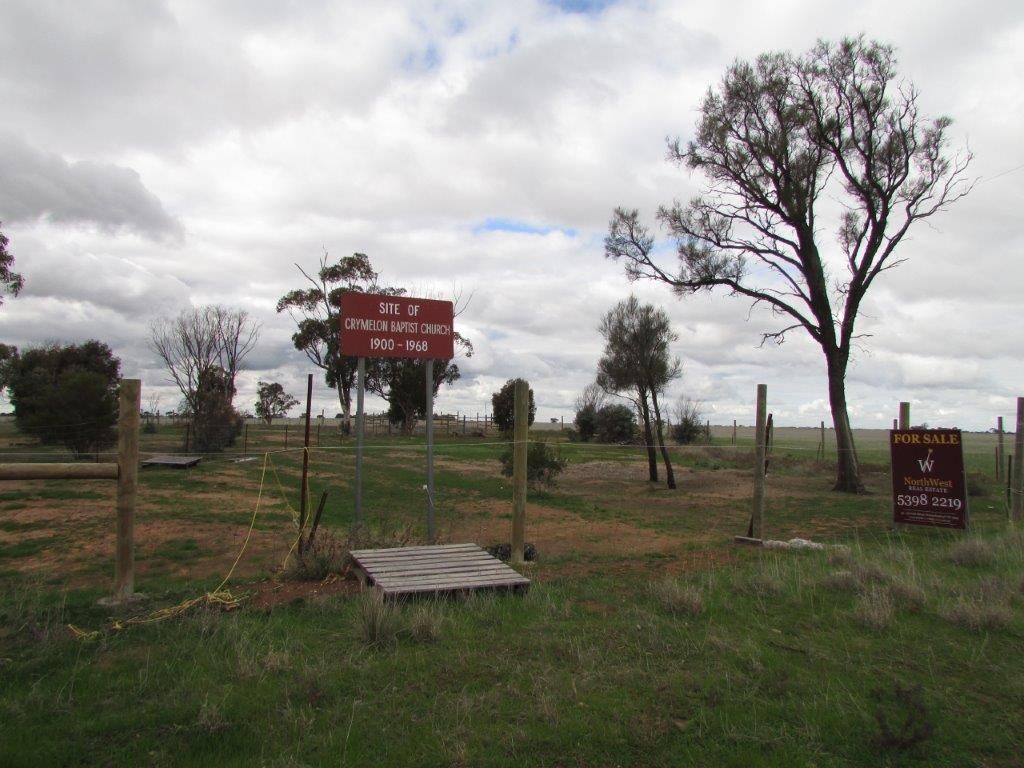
x=267 y=132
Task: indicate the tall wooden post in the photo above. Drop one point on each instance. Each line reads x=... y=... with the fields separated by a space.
x=1018 y=465
x=127 y=487
x=520 y=436
x=823 y=440
x=305 y=454
x=734 y=431
x=760 y=451
x=999 y=450
x=904 y=415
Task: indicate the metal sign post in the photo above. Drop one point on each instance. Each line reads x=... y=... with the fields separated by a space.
x=430 y=451
x=360 y=389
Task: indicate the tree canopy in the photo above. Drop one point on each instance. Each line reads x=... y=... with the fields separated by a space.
x=272 y=402
x=774 y=138
x=503 y=406
x=316 y=311
x=10 y=281
x=65 y=394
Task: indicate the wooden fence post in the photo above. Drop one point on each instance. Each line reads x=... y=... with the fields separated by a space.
x=999 y=450
x=761 y=449
x=904 y=415
x=520 y=437
x=1018 y=465
x=127 y=487
x=305 y=454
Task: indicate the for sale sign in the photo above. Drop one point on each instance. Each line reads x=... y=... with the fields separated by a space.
x=928 y=477
x=373 y=325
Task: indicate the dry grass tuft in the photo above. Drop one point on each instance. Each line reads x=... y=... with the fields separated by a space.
x=875 y=609
x=425 y=624
x=674 y=597
x=907 y=595
x=378 y=620
x=978 y=615
x=972 y=553
x=841 y=581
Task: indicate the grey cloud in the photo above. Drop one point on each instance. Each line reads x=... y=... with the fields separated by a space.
x=40 y=184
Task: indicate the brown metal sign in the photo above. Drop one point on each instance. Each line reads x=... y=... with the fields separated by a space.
x=373 y=325
x=928 y=485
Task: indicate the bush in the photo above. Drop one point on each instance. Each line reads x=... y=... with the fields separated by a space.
x=586 y=423
x=542 y=463
x=314 y=562
x=689 y=427
x=614 y=424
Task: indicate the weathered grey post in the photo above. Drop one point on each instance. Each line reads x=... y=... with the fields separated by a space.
x=1000 y=450
x=127 y=487
x=904 y=415
x=757 y=518
x=305 y=454
x=734 y=431
x=823 y=440
x=430 y=450
x=1018 y=465
x=520 y=436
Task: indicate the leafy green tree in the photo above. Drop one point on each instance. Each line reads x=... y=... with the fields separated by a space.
x=65 y=394
x=775 y=137
x=637 y=359
x=503 y=405
x=317 y=314
x=272 y=402
x=402 y=382
x=10 y=281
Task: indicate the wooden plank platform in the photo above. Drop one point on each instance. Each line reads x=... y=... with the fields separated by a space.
x=180 y=462
x=434 y=569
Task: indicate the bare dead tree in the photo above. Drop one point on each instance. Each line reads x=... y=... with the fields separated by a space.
x=203 y=340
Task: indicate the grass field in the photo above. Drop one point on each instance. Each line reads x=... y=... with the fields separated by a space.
x=647 y=638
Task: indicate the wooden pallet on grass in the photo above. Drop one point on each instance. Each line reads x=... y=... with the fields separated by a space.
x=439 y=568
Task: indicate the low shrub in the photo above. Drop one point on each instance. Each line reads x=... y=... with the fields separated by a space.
x=543 y=465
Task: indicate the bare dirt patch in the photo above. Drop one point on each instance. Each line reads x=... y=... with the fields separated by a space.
x=559 y=532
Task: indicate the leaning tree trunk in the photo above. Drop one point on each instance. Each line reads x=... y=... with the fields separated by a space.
x=847 y=468
x=670 y=477
x=652 y=457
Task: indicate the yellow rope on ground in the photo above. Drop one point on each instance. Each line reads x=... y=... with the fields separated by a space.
x=219 y=596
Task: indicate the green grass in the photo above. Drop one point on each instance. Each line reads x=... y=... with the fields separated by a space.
x=900 y=648
x=773 y=669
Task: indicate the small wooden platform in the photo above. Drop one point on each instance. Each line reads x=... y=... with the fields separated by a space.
x=179 y=462
x=438 y=569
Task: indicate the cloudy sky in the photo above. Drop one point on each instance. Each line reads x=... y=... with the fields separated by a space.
x=161 y=154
